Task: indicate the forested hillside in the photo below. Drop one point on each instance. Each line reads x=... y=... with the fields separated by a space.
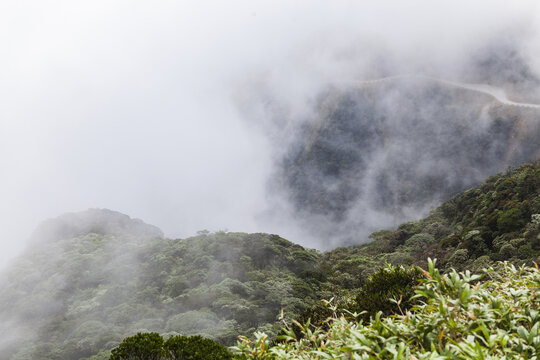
x=75 y=296
x=498 y=220
x=97 y=277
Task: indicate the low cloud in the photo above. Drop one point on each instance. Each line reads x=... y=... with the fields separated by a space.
x=156 y=110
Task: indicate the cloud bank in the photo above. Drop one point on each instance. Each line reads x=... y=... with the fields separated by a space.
x=147 y=108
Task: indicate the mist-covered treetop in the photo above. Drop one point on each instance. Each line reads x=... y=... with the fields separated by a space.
x=97 y=221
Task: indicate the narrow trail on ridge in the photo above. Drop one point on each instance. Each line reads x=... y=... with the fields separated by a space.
x=498 y=93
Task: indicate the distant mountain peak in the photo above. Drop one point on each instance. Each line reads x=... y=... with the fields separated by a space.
x=99 y=221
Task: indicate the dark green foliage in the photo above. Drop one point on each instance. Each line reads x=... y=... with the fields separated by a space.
x=507 y=251
x=195 y=348
x=148 y=346
x=389 y=290
x=510 y=220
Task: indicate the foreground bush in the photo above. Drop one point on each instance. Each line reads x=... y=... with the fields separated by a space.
x=195 y=348
x=147 y=346
x=458 y=316
x=150 y=346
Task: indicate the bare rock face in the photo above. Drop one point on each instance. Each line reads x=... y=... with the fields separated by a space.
x=98 y=221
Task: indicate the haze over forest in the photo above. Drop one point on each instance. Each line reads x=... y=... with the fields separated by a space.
x=189 y=116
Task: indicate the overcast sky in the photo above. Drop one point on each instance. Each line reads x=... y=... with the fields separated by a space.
x=132 y=105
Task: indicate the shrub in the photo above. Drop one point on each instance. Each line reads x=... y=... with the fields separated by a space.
x=150 y=346
x=474 y=243
x=507 y=251
x=195 y=348
x=510 y=220
x=143 y=346
x=419 y=242
x=387 y=284
x=459 y=257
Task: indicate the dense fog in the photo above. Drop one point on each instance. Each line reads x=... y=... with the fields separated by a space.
x=184 y=114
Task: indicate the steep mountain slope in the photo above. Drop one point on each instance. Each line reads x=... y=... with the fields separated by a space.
x=384 y=152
